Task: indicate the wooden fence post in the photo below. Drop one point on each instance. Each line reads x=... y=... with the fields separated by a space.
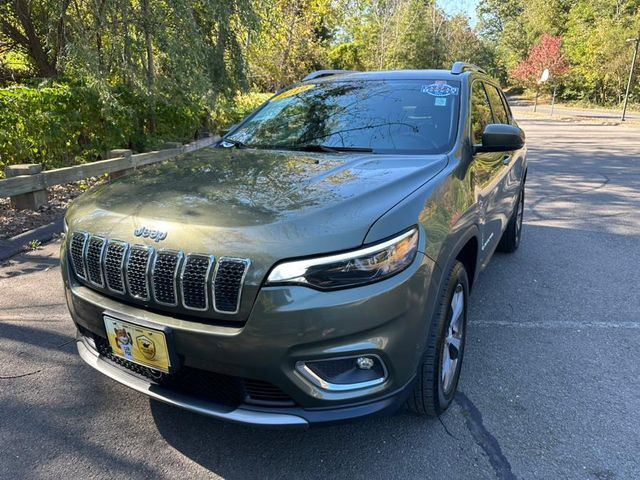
x=119 y=152
x=32 y=200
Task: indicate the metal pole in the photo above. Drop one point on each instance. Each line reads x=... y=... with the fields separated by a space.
x=553 y=99
x=535 y=104
x=633 y=66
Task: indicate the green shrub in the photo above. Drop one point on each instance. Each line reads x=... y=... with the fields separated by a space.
x=61 y=124
x=65 y=124
x=51 y=125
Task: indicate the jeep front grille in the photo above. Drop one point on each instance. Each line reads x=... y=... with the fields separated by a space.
x=194 y=281
x=167 y=278
x=113 y=266
x=165 y=271
x=229 y=277
x=137 y=271
x=76 y=250
x=94 y=260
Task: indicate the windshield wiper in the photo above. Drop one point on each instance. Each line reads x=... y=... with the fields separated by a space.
x=235 y=143
x=325 y=148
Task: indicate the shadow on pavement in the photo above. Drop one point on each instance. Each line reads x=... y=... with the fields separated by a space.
x=376 y=447
x=407 y=446
x=26 y=264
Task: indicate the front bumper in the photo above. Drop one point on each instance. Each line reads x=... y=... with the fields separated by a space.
x=293 y=417
x=286 y=325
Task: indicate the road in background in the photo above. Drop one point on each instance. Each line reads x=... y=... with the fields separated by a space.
x=549 y=387
x=562 y=111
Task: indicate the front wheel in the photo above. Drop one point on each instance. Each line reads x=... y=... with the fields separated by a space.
x=437 y=377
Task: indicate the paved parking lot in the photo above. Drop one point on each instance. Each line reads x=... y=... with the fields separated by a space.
x=550 y=386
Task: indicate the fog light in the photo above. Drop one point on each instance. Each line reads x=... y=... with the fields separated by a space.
x=365 y=363
x=344 y=373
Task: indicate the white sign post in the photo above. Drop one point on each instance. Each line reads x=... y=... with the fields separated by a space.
x=543 y=78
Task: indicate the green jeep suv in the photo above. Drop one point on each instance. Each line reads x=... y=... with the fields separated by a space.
x=314 y=265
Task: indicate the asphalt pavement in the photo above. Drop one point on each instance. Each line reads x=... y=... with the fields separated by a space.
x=550 y=387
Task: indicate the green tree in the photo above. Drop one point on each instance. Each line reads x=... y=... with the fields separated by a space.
x=293 y=41
x=595 y=45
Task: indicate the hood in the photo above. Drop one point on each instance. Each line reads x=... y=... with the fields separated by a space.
x=256 y=204
x=225 y=201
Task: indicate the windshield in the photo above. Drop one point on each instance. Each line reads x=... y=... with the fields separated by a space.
x=391 y=116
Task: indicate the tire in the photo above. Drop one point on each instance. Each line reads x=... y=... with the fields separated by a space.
x=433 y=392
x=510 y=240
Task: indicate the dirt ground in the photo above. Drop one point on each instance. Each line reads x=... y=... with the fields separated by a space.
x=14 y=222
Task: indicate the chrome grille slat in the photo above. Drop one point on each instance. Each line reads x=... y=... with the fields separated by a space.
x=164 y=277
x=227 y=284
x=167 y=278
x=194 y=281
x=137 y=271
x=114 y=265
x=93 y=260
x=76 y=249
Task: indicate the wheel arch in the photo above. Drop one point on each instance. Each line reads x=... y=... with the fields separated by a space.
x=468 y=256
x=465 y=249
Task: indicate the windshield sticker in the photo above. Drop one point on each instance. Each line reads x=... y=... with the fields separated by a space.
x=439 y=90
x=440 y=101
x=293 y=91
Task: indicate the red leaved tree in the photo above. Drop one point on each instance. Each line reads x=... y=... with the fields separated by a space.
x=546 y=54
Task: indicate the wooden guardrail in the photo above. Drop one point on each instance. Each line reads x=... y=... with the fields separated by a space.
x=27 y=184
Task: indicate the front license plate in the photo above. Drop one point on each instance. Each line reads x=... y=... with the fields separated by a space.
x=140 y=345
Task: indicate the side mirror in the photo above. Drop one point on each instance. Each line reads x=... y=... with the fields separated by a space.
x=501 y=138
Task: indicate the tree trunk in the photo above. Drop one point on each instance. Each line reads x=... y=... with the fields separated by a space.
x=127 y=43
x=45 y=66
x=98 y=27
x=61 y=34
x=151 y=69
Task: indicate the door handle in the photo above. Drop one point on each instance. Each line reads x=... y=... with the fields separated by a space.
x=506 y=160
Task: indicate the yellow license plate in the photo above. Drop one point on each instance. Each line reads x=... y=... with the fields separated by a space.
x=140 y=345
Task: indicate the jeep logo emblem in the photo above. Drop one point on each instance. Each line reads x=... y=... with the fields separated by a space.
x=144 y=232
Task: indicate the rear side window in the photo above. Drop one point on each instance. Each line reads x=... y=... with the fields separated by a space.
x=497 y=105
x=480 y=112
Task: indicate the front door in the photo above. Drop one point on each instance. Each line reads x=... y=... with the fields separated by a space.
x=488 y=171
x=509 y=187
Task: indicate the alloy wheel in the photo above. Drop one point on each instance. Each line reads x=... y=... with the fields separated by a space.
x=453 y=341
x=519 y=215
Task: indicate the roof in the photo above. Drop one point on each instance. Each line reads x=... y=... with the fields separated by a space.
x=391 y=75
x=459 y=69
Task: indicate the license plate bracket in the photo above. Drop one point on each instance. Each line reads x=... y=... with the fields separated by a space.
x=141 y=342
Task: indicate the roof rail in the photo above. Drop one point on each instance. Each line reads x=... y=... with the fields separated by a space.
x=325 y=73
x=461 y=67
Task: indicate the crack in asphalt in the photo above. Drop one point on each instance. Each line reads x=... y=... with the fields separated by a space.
x=446 y=429
x=11 y=377
x=577 y=324
x=484 y=439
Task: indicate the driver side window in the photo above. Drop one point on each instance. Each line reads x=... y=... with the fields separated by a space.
x=480 y=112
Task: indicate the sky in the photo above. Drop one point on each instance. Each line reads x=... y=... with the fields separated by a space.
x=468 y=7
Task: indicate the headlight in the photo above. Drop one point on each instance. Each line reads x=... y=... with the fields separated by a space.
x=358 y=267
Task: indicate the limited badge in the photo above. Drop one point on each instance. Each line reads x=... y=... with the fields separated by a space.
x=146 y=346
x=439 y=90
